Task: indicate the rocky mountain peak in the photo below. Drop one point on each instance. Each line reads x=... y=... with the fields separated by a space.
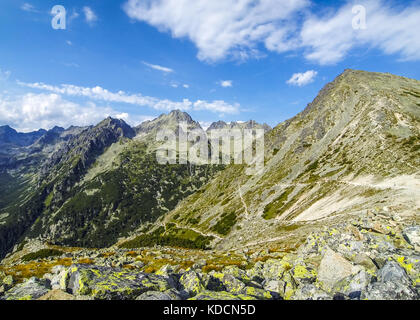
x=251 y=124
x=168 y=121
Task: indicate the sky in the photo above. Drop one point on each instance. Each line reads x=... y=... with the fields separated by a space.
x=230 y=60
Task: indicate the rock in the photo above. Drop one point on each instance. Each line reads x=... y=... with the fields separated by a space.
x=8 y=282
x=58 y=273
x=156 y=295
x=2 y=276
x=211 y=295
x=310 y=292
x=333 y=268
x=57 y=295
x=354 y=285
x=393 y=272
x=229 y=283
x=274 y=269
x=393 y=284
x=112 y=283
x=32 y=289
x=192 y=282
x=412 y=235
x=363 y=260
x=260 y=294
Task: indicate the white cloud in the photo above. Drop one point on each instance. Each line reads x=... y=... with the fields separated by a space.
x=302 y=79
x=69 y=42
x=205 y=124
x=31 y=112
x=90 y=16
x=218 y=28
x=99 y=93
x=331 y=37
x=28 y=7
x=235 y=29
x=158 y=67
x=218 y=106
x=186 y=86
x=226 y=83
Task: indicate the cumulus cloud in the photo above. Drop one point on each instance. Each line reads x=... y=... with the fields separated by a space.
x=99 y=93
x=226 y=83
x=33 y=111
x=90 y=16
x=158 y=67
x=218 y=28
x=235 y=29
x=302 y=79
x=329 y=38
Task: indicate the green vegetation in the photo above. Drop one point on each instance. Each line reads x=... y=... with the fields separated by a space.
x=137 y=191
x=48 y=200
x=42 y=254
x=177 y=238
x=225 y=224
x=272 y=209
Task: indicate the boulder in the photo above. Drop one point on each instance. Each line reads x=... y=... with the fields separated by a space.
x=310 y=292
x=107 y=283
x=32 y=289
x=192 y=282
x=156 y=295
x=222 y=295
x=57 y=295
x=333 y=268
x=393 y=284
x=412 y=235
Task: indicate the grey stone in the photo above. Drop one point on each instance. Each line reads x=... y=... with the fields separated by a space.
x=32 y=289
x=333 y=268
x=412 y=235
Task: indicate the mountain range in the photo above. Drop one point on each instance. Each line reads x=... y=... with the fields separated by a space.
x=346 y=167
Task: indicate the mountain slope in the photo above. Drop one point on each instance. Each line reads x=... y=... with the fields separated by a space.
x=355 y=148
x=92 y=185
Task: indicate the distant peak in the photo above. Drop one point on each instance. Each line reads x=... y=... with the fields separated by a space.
x=180 y=115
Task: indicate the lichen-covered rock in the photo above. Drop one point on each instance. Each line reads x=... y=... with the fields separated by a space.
x=353 y=286
x=310 y=292
x=7 y=282
x=412 y=235
x=192 y=282
x=274 y=269
x=260 y=294
x=229 y=283
x=57 y=295
x=32 y=289
x=57 y=273
x=156 y=295
x=333 y=268
x=112 y=283
x=393 y=284
x=221 y=295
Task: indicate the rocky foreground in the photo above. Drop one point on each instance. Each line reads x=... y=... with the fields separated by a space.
x=369 y=258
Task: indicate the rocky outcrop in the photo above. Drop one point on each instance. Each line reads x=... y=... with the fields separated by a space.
x=346 y=261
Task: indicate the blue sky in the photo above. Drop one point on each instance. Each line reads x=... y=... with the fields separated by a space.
x=230 y=60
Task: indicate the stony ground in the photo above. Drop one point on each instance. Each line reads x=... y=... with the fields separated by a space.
x=376 y=256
